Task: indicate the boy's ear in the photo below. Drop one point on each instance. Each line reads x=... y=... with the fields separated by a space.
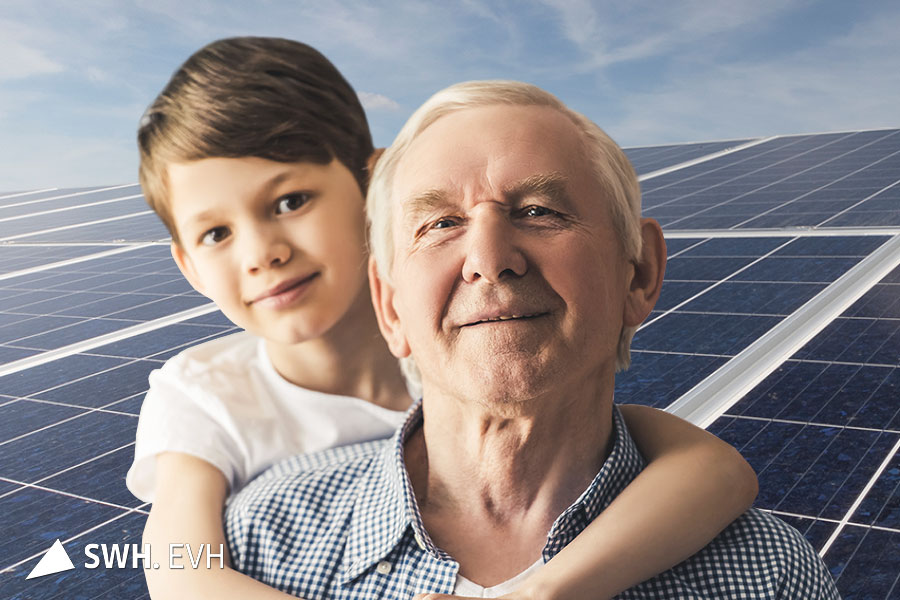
x=388 y=320
x=646 y=280
x=186 y=266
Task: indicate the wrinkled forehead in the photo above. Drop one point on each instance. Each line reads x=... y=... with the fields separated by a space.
x=474 y=154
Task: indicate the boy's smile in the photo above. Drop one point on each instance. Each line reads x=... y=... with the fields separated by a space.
x=279 y=247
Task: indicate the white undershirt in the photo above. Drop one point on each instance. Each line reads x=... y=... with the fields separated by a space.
x=465 y=587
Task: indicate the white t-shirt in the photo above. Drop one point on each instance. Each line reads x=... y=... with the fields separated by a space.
x=224 y=402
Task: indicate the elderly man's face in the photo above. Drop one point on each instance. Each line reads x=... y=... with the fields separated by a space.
x=508 y=279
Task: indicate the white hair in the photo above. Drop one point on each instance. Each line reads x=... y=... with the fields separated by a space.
x=612 y=170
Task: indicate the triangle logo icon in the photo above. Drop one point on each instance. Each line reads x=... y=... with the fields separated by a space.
x=54 y=561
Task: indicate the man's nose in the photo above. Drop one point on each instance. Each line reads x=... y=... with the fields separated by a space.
x=492 y=252
x=264 y=248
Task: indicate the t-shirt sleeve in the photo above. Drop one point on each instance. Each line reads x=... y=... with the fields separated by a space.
x=178 y=415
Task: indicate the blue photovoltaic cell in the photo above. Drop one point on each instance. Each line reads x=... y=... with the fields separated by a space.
x=12 y=354
x=864 y=563
x=103 y=479
x=131 y=406
x=655 y=379
x=646 y=159
x=103 y=388
x=704 y=268
x=833 y=246
x=71 y=334
x=19 y=418
x=798 y=269
x=755 y=247
x=57 y=372
x=756 y=297
x=881 y=506
x=676 y=292
x=162 y=340
x=53 y=449
x=674 y=245
x=6 y=487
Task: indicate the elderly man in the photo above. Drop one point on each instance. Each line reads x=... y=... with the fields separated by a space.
x=510 y=261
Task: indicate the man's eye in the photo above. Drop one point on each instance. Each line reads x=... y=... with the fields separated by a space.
x=291 y=202
x=444 y=223
x=214 y=236
x=537 y=211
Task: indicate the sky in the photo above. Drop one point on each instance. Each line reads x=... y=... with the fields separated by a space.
x=75 y=77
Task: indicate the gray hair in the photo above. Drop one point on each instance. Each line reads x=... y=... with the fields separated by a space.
x=612 y=170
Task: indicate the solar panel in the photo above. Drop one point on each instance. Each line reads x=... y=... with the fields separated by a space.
x=647 y=159
x=823 y=432
x=760 y=234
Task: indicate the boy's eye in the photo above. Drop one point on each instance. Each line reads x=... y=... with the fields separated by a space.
x=291 y=202
x=214 y=236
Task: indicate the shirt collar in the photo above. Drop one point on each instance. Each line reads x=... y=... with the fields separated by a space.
x=386 y=511
x=623 y=464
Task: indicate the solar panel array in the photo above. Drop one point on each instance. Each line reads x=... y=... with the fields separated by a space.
x=778 y=327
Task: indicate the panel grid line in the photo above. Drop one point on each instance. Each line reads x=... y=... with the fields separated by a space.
x=72 y=195
x=67 y=469
x=860 y=498
x=75 y=226
x=65 y=208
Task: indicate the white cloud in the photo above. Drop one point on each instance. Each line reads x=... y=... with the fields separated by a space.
x=611 y=32
x=21 y=57
x=840 y=84
x=371 y=101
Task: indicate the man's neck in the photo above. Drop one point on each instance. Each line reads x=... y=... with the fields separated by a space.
x=351 y=359
x=489 y=488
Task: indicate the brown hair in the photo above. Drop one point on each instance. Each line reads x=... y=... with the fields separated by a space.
x=269 y=98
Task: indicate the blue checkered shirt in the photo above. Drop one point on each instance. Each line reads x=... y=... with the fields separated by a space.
x=344 y=523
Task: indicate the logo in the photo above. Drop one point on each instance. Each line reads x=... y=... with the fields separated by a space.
x=54 y=561
x=116 y=556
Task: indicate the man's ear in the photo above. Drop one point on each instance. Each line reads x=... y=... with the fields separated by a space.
x=385 y=313
x=646 y=281
x=186 y=266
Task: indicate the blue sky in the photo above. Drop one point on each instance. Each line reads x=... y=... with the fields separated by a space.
x=75 y=77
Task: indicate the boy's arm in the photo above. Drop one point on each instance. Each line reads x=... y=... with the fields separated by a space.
x=187 y=509
x=693 y=486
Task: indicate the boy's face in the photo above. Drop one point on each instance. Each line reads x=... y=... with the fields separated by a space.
x=279 y=247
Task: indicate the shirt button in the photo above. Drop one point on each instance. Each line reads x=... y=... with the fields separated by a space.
x=420 y=541
x=384 y=567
